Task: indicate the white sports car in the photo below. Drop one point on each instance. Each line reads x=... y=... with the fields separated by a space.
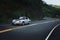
x=21 y=20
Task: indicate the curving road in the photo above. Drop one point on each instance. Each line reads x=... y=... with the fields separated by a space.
x=38 y=30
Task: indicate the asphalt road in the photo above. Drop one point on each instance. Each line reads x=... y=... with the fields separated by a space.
x=38 y=30
x=55 y=34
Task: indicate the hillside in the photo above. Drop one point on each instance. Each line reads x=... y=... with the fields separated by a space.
x=56 y=6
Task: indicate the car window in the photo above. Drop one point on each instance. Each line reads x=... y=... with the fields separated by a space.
x=26 y=17
x=22 y=18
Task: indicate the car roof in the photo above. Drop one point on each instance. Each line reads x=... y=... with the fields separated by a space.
x=22 y=17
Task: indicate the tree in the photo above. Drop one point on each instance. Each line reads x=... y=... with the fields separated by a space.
x=14 y=8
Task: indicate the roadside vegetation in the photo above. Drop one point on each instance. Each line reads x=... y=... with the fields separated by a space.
x=34 y=9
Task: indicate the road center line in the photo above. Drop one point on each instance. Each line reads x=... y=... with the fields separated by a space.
x=19 y=27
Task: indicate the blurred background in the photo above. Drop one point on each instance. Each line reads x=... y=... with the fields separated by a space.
x=34 y=9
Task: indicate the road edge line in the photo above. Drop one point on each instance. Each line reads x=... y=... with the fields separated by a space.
x=52 y=31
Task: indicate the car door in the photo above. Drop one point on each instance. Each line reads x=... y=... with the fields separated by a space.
x=26 y=20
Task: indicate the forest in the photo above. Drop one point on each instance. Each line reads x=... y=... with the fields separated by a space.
x=34 y=9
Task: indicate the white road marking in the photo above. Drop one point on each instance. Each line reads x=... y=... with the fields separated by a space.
x=19 y=27
x=51 y=32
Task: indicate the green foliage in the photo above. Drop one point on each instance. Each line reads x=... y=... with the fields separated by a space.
x=10 y=9
x=50 y=10
x=34 y=9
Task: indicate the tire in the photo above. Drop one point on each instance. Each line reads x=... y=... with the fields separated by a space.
x=13 y=24
x=23 y=23
x=29 y=22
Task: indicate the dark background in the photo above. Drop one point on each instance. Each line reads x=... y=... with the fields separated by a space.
x=34 y=9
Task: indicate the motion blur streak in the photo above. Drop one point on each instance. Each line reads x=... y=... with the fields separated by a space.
x=19 y=27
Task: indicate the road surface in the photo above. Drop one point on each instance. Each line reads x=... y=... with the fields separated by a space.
x=55 y=34
x=38 y=30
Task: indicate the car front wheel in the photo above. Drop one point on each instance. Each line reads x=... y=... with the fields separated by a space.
x=23 y=23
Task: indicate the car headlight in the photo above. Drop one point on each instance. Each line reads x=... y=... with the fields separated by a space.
x=13 y=20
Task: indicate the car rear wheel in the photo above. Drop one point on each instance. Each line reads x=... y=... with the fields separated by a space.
x=23 y=23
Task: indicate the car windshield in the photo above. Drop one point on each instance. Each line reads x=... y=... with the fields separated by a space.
x=22 y=18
